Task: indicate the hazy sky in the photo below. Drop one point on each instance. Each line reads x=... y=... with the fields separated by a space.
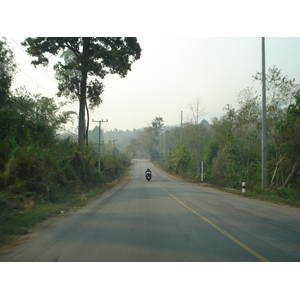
x=171 y=73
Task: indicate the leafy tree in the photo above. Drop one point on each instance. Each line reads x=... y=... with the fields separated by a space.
x=179 y=158
x=92 y=56
x=248 y=130
x=149 y=138
x=196 y=137
x=280 y=94
x=195 y=133
x=226 y=163
x=7 y=70
x=157 y=125
x=133 y=147
x=290 y=130
x=29 y=119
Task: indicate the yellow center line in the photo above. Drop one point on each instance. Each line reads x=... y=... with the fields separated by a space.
x=218 y=228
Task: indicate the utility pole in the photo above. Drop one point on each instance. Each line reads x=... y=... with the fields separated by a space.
x=181 y=129
x=114 y=143
x=114 y=150
x=99 y=140
x=264 y=121
x=164 y=144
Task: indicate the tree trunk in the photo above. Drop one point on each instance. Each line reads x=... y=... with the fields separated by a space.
x=87 y=124
x=292 y=172
x=276 y=168
x=82 y=100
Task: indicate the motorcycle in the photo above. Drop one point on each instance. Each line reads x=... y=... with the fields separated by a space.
x=148 y=176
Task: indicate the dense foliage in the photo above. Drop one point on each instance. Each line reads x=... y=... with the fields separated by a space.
x=85 y=59
x=37 y=166
x=230 y=146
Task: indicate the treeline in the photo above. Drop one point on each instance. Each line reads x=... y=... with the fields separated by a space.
x=117 y=139
x=37 y=166
x=230 y=146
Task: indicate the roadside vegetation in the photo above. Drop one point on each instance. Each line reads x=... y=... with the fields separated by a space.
x=44 y=174
x=230 y=146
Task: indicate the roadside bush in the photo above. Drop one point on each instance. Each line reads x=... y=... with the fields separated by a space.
x=47 y=174
x=36 y=177
x=22 y=165
x=180 y=159
x=259 y=190
x=286 y=193
x=85 y=166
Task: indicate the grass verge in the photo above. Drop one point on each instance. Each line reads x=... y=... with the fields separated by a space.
x=279 y=196
x=19 y=226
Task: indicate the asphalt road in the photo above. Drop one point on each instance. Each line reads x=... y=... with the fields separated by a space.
x=168 y=220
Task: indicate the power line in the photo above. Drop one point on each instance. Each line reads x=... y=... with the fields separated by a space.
x=40 y=86
x=39 y=68
x=30 y=59
x=54 y=96
x=35 y=82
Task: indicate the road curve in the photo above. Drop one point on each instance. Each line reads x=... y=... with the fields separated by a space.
x=167 y=219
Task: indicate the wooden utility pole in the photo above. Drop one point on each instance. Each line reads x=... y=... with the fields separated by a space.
x=114 y=150
x=99 y=141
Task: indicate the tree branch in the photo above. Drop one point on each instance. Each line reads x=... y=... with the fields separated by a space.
x=77 y=53
x=292 y=172
x=275 y=171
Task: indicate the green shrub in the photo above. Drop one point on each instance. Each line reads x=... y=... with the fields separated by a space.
x=286 y=193
x=259 y=190
x=35 y=175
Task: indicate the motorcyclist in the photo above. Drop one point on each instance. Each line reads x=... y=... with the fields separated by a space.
x=148 y=171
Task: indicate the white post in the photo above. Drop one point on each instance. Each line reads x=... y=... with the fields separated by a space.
x=244 y=187
x=202 y=171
